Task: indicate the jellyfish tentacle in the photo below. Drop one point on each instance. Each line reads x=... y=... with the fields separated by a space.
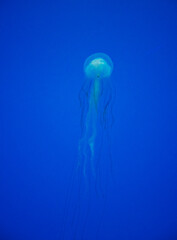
x=92 y=150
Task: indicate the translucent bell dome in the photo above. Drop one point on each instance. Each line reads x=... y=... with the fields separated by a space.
x=98 y=65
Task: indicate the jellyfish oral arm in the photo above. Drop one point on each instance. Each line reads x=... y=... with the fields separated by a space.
x=87 y=142
x=96 y=92
x=91 y=120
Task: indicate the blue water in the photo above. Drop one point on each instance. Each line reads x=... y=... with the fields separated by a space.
x=43 y=46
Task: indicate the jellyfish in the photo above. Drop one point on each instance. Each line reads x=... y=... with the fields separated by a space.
x=95 y=98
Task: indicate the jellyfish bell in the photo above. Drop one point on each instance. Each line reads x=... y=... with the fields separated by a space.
x=98 y=65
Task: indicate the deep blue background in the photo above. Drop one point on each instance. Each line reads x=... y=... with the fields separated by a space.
x=43 y=45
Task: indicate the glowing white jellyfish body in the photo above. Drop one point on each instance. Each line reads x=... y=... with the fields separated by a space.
x=95 y=98
x=98 y=65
